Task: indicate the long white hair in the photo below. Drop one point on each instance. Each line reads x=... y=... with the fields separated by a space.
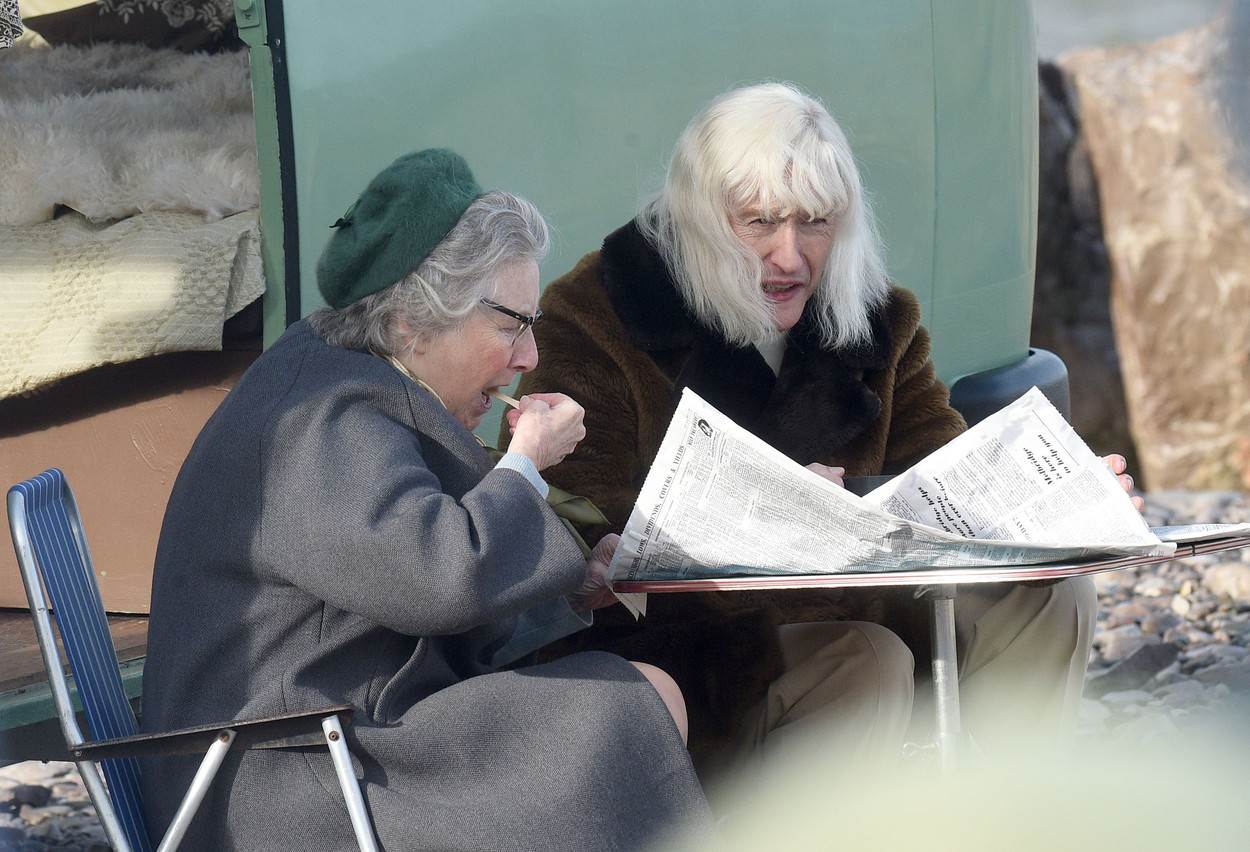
x=772 y=147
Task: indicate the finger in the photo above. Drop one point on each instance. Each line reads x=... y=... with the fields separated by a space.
x=1126 y=482
x=1139 y=504
x=833 y=474
x=531 y=403
x=605 y=548
x=1116 y=462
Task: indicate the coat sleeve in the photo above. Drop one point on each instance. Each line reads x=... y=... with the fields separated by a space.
x=352 y=514
x=921 y=418
x=607 y=466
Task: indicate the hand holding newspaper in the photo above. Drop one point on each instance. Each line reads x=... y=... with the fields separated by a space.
x=1018 y=488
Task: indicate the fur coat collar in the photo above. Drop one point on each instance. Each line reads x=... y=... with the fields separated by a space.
x=815 y=384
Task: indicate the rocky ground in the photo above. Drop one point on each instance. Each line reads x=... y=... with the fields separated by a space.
x=1171 y=652
x=1171 y=649
x=45 y=806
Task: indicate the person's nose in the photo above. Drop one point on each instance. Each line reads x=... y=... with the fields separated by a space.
x=783 y=250
x=525 y=352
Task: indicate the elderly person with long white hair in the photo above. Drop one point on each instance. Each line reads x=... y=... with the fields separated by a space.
x=755 y=278
x=337 y=534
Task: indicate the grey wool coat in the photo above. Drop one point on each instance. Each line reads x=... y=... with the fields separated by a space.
x=336 y=536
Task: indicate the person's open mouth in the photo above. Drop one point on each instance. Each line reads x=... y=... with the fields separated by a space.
x=782 y=291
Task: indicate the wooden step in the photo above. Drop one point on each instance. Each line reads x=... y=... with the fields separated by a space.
x=21 y=663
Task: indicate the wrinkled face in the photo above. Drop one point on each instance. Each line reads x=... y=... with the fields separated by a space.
x=485 y=352
x=794 y=250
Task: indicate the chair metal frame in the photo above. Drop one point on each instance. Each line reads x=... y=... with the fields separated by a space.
x=53 y=555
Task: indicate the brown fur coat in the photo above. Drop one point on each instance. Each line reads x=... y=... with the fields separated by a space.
x=617 y=337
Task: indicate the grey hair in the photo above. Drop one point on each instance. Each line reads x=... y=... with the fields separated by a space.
x=772 y=146
x=497 y=229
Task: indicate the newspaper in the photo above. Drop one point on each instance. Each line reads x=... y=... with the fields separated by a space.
x=1194 y=533
x=1019 y=488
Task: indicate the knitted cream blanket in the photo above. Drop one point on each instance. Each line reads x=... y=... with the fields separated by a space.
x=76 y=294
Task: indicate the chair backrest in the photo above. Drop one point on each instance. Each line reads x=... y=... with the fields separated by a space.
x=58 y=575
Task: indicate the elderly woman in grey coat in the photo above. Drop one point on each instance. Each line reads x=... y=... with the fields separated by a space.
x=337 y=534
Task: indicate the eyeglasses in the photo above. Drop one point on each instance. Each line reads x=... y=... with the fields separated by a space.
x=526 y=321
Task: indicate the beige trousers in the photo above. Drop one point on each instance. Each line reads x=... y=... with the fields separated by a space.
x=1022 y=653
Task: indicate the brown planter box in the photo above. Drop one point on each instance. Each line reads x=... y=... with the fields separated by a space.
x=120 y=433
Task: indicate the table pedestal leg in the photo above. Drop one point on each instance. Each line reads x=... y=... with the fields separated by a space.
x=945 y=675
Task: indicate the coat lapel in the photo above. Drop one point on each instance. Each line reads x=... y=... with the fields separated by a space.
x=451 y=450
x=443 y=434
x=815 y=406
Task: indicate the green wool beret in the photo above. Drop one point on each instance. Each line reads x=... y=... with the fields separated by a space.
x=401 y=216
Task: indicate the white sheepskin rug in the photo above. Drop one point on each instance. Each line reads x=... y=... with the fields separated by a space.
x=114 y=130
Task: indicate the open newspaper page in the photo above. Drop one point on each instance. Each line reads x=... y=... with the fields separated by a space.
x=719 y=501
x=1022 y=474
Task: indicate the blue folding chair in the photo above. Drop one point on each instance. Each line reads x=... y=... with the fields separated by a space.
x=60 y=581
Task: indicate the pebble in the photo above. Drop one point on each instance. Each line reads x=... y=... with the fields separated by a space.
x=1231 y=579
x=1129 y=612
x=35 y=795
x=1119 y=642
x=1159 y=622
x=1154 y=586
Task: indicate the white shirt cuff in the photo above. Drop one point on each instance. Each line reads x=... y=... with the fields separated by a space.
x=524 y=466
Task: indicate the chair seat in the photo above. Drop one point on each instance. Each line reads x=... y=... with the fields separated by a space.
x=283 y=731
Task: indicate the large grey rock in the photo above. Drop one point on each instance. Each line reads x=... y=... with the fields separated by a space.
x=1135 y=670
x=1234 y=675
x=1185 y=693
x=1210 y=655
x=1092 y=713
x=1175 y=204
x=1149 y=728
x=1126 y=698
